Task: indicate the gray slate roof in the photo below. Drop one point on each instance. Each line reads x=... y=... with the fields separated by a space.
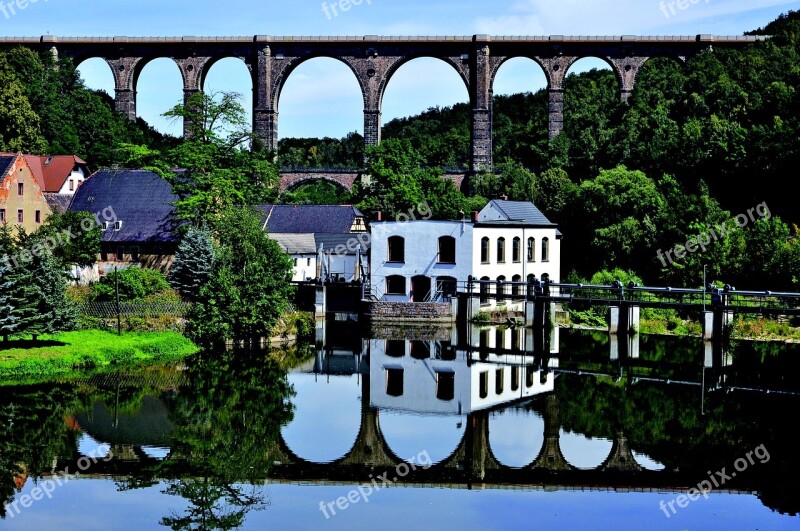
x=513 y=212
x=310 y=243
x=58 y=202
x=5 y=162
x=140 y=199
x=309 y=219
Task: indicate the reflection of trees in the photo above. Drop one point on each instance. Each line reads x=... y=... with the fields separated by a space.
x=227 y=421
x=32 y=434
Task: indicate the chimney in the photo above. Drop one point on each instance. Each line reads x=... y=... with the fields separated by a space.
x=474 y=216
x=504 y=198
x=380 y=216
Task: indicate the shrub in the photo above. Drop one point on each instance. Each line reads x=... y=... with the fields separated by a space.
x=134 y=284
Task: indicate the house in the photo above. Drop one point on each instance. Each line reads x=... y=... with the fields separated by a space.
x=134 y=208
x=422 y=260
x=22 y=202
x=58 y=176
x=329 y=242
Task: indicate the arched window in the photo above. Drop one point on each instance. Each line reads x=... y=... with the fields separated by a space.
x=516 y=250
x=531 y=249
x=397 y=249
x=501 y=250
x=485 y=250
x=447 y=250
x=484 y=290
x=501 y=288
x=396 y=285
x=545 y=250
x=515 y=288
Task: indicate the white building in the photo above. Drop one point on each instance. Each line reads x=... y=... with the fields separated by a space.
x=508 y=241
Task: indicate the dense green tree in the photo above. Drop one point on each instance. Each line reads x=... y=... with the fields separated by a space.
x=21 y=129
x=68 y=239
x=193 y=263
x=217 y=167
x=398 y=183
x=250 y=284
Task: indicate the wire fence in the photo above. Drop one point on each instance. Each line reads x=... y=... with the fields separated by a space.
x=179 y=309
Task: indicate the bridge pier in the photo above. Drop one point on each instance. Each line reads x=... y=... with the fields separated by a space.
x=715 y=322
x=320 y=302
x=623 y=319
x=555 y=110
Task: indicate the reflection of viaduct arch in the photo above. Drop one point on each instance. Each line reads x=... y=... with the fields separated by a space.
x=473 y=453
x=373 y=60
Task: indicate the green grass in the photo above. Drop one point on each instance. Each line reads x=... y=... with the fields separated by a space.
x=75 y=353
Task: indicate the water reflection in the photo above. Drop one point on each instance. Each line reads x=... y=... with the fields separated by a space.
x=492 y=406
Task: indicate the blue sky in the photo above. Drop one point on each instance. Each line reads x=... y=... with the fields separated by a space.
x=322 y=97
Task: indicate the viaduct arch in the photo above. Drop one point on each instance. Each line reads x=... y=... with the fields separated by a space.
x=373 y=61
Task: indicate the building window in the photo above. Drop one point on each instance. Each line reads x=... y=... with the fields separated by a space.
x=483 y=387
x=545 y=250
x=106 y=225
x=502 y=289
x=396 y=285
x=20 y=188
x=445 y=385
x=395 y=348
x=3 y=215
x=515 y=287
x=295 y=262
x=308 y=262
x=529 y=372
x=117 y=225
x=485 y=250
x=531 y=249
x=447 y=250
x=20 y=216
x=394 y=382
x=485 y=290
x=419 y=350
x=516 y=250
x=514 y=378
x=71 y=185
x=499 y=379
x=397 y=249
x=501 y=250
x=38 y=216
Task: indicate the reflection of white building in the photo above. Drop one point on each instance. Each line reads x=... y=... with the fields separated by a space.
x=434 y=377
x=508 y=241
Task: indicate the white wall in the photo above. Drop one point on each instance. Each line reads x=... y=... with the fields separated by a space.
x=523 y=268
x=305 y=267
x=77 y=177
x=421 y=253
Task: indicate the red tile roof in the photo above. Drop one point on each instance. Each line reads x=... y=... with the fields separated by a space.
x=51 y=172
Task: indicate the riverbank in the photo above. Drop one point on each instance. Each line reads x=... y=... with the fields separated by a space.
x=748 y=329
x=70 y=353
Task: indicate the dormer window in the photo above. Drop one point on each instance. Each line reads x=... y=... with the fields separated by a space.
x=117 y=225
x=106 y=225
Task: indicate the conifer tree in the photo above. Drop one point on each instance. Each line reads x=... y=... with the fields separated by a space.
x=193 y=263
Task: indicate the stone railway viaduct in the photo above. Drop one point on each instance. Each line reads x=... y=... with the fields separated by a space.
x=373 y=61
